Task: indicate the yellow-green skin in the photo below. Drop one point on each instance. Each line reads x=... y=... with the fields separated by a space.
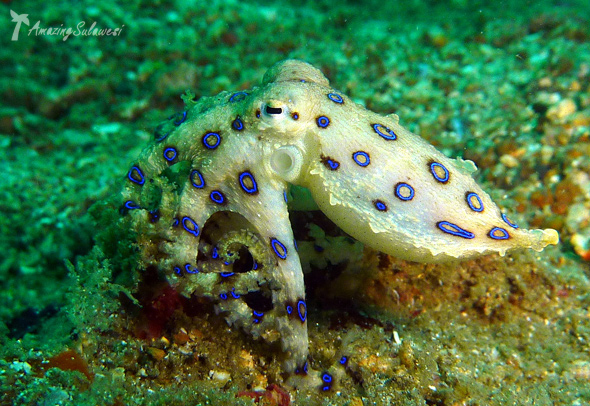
x=380 y=183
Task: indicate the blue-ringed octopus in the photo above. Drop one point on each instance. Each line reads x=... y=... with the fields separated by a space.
x=208 y=198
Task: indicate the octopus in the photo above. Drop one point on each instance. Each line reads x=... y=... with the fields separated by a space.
x=208 y=198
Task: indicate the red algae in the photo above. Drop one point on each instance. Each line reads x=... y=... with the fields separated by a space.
x=69 y=360
x=274 y=395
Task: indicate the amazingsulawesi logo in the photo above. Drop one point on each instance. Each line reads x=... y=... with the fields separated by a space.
x=62 y=31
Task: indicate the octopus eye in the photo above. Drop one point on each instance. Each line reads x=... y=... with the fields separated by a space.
x=273 y=110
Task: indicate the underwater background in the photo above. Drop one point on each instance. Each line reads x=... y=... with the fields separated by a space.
x=505 y=84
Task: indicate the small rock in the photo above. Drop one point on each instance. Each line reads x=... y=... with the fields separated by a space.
x=246 y=360
x=181 y=337
x=581 y=244
x=577 y=217
x=509 y=161
x=220 y=377
x=545 y=82
x=575 y=86
x=156 y=353
x=356 y=401
x=561 y=110
x=580 y=370
x=21 y=367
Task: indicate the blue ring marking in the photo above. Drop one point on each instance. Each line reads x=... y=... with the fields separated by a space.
x=226 y=274
x=379 y=205
x=234 y=294
x=131 y=205
x=170 y=154
x=295 y=245
x=302 y=313
x=502 y=236
x=223 y=296
x=507 y=221
x=237 y=124
x=178 y=121
x=333 y=164
x=361 y=162
x=323 y=121
x=255 y=266
x=217 y=197
x=443 y=179
x=215 y=253
x=136 y=172
x=329 y=163
x=343 y=360
x=238 y=96
x=154 y=215
x=295 y=116
x=289 y=309
x=279 y=248
x=175 y=222
x=336 y=98
x=208 y=136
x=406 y=187
x=177 y=271
x=469 y=196
x=201 y=181
x=195 y=228
x=250 y=190
x=257 y=314
x=326 y=377
x=302 y=370
x=159 y=135
x=384 y=132
x=454 y=229
x=285 y=195
x=188 y=269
